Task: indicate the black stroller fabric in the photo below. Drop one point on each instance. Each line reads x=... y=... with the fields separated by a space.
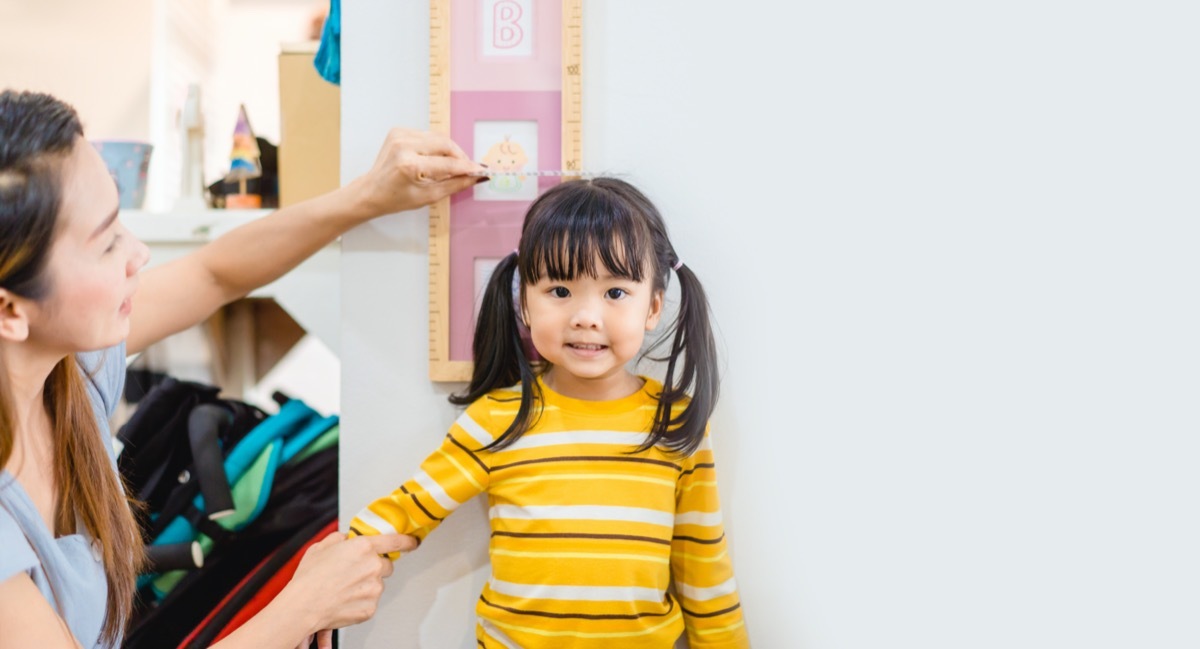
x=303 y=493
x=156 y=450
x=174 y=446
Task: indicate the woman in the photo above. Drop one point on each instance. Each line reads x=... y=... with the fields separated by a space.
x=73 y=305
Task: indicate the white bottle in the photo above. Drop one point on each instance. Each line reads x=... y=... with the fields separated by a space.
x=191 y=125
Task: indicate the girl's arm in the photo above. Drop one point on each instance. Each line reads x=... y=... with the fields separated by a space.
x=701 y=568
x=450 y=476
x=28 y=619
x=337 y=584
x=413 y=169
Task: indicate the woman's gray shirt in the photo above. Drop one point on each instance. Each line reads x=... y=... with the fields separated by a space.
x=66 y=569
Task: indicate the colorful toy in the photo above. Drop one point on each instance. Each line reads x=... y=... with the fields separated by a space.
x=243 y=164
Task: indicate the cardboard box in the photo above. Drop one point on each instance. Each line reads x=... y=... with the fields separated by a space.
x=310 y=127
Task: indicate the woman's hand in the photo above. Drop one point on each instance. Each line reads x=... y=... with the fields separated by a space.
x=414 y=169
x=339 y=581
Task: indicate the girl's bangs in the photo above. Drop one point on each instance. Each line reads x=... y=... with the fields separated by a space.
x=570 y=236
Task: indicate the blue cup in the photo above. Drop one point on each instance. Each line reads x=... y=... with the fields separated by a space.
x=128 y=161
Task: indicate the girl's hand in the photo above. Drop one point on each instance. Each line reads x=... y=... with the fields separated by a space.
x=339 y=581
x=414 y=169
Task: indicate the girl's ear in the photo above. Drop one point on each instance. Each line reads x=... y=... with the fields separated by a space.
x=656 y=309
x=14 y=317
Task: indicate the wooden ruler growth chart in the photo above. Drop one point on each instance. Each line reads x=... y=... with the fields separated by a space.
x=505 y=84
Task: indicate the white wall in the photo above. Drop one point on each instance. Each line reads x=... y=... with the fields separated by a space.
x=391 y=414
x=246 y=45
x=953 y=252
x=231 y=49
x=94 y=55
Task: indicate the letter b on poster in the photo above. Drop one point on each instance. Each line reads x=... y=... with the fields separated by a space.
x=507 y=28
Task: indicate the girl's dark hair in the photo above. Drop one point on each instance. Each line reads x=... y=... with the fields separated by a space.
x=37 y=134
x=566 y=230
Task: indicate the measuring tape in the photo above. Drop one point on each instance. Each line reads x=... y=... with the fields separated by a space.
x=565 y=173
x=441 y=367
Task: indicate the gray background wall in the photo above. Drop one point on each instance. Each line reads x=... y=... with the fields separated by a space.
x=952 y=250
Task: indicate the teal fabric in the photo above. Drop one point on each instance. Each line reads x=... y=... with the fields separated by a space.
x=296 y=443
x=327 y=439
x=329 y=55
x=293 y=416
x=250 y=468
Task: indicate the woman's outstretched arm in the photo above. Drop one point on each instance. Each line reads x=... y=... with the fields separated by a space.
x=413 y=169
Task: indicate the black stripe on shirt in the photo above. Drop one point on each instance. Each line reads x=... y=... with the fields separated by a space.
x=696 y=540
x=580 y=535
x=714 y=613
x=579 y=616
x=702 y=465
x=470 y=453
x=418 y=503
x=505 y=399
x=588 y=458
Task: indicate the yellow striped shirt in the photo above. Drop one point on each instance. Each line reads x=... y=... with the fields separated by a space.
x=591 y=546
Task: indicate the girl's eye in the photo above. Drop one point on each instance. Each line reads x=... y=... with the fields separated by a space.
x=560 y=291
x=113 y=245
x=616 y=293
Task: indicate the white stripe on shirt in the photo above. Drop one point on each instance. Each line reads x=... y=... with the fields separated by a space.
x=375 y=520
x=583 y=512
x=702 y=594
x=698 y=518
x=435 y=490
x=477 y=432
x=578 y=593
x=541 y=440
x=497 y=634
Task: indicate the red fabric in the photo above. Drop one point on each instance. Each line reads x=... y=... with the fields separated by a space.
x=264 y=596
x=208 y=618
x=274 y=585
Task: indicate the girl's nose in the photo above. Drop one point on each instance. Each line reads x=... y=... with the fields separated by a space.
x=585 y=317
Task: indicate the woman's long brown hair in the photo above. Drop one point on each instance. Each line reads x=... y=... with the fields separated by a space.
x=37 y=133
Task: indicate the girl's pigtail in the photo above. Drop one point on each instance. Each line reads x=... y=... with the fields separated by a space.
x=692 y=338
x=500 y=360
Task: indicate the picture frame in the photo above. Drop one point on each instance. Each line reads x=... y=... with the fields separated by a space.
x=505 y=85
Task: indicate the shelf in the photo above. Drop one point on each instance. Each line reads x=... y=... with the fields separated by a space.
x=310 y=292
x=189 y=226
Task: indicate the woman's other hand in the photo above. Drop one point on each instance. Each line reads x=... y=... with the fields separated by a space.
x=339 y=581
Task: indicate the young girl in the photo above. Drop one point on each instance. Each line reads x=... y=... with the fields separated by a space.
x=602 y=495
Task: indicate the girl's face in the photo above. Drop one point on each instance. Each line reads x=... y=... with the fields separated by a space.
x=93 y=265
x=588 y=329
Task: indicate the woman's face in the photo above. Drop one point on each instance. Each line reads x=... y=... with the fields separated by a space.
x=93 y=265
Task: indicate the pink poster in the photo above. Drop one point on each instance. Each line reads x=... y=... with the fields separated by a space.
x=505 y=109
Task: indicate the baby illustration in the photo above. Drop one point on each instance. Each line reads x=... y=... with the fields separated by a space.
x=506 y=157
